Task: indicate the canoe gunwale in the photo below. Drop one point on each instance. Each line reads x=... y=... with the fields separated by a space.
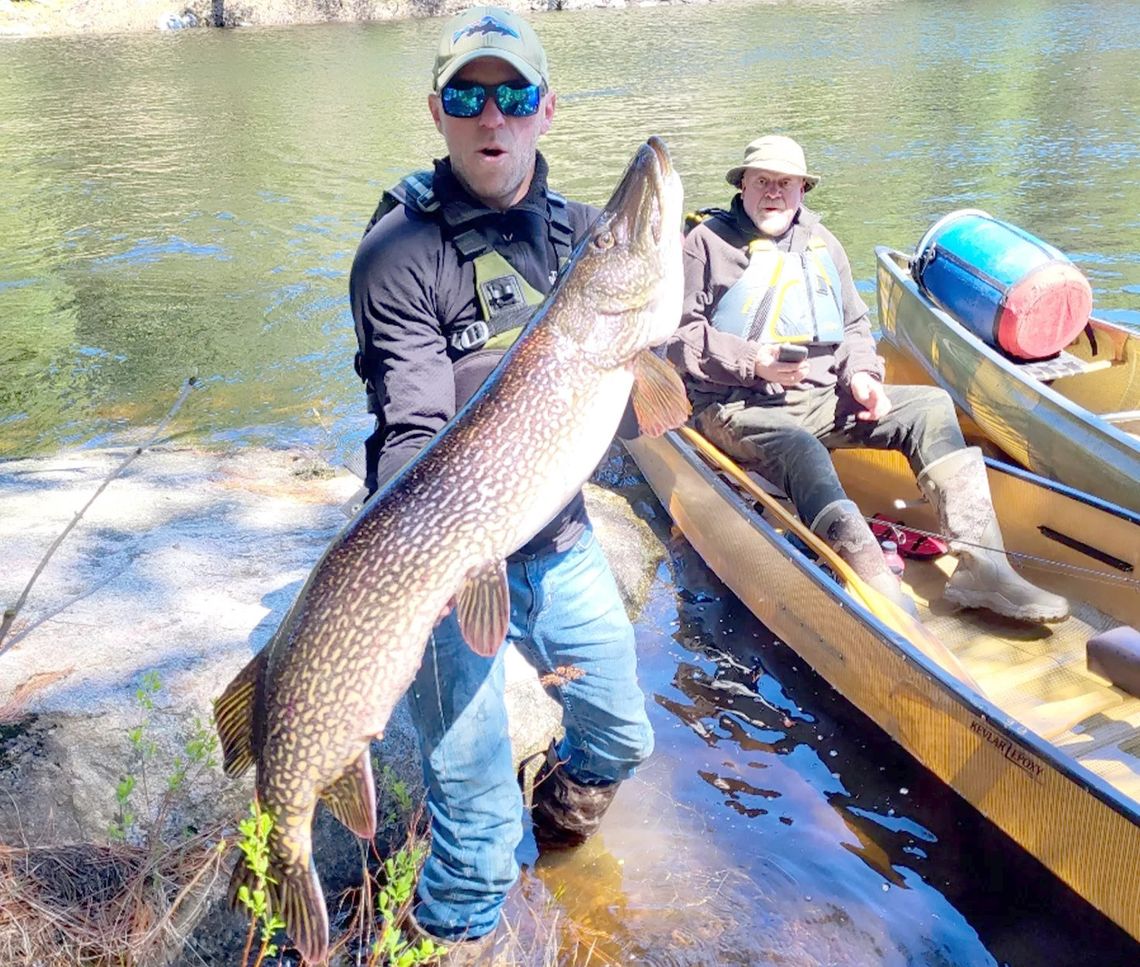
x=1092 y=500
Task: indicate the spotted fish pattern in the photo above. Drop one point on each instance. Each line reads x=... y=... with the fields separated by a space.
x=305 y=709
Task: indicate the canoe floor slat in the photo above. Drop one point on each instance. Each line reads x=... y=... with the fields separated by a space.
x=1038 y=674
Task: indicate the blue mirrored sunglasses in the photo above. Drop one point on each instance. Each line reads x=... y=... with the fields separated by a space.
x=466 y=100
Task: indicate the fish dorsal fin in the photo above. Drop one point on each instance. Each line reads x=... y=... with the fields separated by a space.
x=233 y=715
x=483 y=608
x=352 y=798
x=659 y=398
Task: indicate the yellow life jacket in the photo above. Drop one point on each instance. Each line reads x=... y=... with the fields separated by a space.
x=784 y=296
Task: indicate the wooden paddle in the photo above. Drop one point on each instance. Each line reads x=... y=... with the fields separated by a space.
x=881 y=607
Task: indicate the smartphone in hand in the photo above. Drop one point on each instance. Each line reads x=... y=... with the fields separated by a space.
x=790 y=352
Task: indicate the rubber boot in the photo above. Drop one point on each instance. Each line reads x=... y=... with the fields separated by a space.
x=459 y=953
x=841 y=524
x=957 y=486
x=564 y=812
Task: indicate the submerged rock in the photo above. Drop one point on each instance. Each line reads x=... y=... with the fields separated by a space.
x=178 y=21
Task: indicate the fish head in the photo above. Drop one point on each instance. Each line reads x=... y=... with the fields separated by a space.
x=625 y=281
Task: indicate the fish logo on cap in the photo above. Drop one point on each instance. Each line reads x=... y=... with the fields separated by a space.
x=487 y=25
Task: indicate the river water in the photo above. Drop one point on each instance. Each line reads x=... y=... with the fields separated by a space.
x=189 y=204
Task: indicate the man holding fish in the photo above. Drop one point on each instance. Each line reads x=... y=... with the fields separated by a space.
x=477 y=533
x=452 y=266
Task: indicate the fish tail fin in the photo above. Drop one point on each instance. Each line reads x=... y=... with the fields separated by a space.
x=233 y=716
x=352 y=798
x=293 y=893
x=297 y=899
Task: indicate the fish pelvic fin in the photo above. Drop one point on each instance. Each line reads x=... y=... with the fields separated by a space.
x=233 y=716
x=659 y=398
x=483 y=608
x=352 y=798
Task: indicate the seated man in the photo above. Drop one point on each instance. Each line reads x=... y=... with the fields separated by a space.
x=765 y=281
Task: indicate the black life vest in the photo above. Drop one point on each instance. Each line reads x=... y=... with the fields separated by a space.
x=506 y=299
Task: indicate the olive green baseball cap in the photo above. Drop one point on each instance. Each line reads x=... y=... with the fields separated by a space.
x=490 y=32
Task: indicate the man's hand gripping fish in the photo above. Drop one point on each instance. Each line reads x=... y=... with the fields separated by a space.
x=305 y=708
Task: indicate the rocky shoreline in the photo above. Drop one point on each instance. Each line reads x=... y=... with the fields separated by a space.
x=172 y=577
x=32 y=18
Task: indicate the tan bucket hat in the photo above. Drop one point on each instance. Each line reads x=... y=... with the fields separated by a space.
x=777 y=153
x=490 y=32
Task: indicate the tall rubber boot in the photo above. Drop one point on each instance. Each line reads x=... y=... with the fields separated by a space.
x=957 y=486
x=564 y=812
x=841 y=524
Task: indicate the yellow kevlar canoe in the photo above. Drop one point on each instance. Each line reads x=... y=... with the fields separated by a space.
x=1073 y=418
x=1004 y=713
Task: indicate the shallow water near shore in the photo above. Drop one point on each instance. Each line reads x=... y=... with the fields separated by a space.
x=775 y=825
x=191 y=203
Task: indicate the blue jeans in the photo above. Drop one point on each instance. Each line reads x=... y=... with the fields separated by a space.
x=565 y=611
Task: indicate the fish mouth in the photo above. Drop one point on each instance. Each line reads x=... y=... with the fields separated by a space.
x=647 y=201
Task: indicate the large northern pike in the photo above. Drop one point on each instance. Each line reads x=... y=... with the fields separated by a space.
x=307 y=706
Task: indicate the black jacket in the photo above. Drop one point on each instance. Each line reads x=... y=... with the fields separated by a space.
x=411 y=290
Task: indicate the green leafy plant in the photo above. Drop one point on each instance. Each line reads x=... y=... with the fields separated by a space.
x=254 y=846
x=392 y=947
x=394 y=799
x=149 y=872
x=143 y=822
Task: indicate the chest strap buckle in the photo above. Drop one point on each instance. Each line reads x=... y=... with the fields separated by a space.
x=471 y=337
x=502 y=293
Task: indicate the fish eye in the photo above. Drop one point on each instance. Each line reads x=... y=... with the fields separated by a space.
x=604 y=240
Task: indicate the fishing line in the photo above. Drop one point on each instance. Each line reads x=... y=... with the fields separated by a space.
x=10 y=613
x=1045 y=562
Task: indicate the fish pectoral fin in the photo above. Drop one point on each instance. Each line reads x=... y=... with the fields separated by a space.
x=352 y=798
x=659 y=398
x=483 y=608
x=233 y=716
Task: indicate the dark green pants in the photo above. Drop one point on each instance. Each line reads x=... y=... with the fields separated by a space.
x=788 y=442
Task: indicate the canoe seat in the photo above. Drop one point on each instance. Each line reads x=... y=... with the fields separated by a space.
x=1063 y=364
x=1115 y=655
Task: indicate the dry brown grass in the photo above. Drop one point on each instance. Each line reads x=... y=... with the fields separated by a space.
x=89 y=904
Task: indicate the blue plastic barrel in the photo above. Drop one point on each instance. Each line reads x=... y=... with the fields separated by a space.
x=1009 y=288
